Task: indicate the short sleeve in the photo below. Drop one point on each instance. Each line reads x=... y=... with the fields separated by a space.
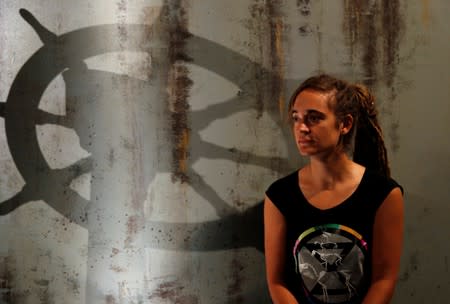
x=378 y=187
x=280 y=191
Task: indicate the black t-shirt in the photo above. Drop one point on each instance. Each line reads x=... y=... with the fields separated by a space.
x=328 y=252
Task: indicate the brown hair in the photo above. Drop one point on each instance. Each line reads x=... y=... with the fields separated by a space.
x=369 y=149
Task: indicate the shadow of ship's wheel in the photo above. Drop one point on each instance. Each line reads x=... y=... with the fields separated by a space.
x=22 y=114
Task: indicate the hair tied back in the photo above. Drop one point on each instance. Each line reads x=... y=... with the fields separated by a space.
x=365 y=100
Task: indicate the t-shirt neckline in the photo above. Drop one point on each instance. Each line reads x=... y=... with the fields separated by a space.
x=339 y=205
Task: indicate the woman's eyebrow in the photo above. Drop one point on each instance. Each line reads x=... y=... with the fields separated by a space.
x=309 y=111
x=312 y=111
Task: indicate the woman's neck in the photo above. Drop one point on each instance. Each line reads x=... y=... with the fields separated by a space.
x=327 y=172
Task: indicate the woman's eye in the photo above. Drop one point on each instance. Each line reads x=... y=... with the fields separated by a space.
x=313 y=119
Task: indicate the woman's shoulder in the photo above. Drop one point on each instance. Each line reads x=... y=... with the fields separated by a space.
x=283 y=190
x=285 y=181
x=379 y=182
x=282 y=186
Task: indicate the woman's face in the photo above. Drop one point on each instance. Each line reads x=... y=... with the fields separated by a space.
x=315 y=126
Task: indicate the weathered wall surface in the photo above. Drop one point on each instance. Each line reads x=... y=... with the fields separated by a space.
x=137 y=139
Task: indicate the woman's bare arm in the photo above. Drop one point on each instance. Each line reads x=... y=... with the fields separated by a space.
x=274 y=243
x=386 y=251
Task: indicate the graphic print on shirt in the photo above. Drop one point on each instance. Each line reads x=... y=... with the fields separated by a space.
x=330 y=260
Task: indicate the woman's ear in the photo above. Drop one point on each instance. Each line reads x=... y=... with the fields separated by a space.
x=346 y=124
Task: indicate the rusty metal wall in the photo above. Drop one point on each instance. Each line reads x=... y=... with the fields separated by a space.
x=137 y=139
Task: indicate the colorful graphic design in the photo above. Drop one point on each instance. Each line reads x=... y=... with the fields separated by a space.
x=330 y=260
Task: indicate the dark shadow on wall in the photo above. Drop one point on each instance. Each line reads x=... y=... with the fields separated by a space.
x=63 y=53
x=85 y=101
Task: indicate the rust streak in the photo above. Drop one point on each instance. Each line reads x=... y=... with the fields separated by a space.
x=370 y=56
x=426 y=15
x=391 y=28
x=367 y=24
x=266 y=18
x=280 y=68
x=276 y=54
x=132 y=229
x=183 y=145
x=361 y=27
x=373 y=29
x=260 y=26
x=351 y=26
x=175 y=20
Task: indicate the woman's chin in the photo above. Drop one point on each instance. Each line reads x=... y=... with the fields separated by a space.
x=304 y=152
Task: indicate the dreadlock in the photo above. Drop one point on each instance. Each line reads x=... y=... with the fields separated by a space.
x=369 y=149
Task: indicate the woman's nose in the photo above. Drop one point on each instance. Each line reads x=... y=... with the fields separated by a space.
x=302 y=127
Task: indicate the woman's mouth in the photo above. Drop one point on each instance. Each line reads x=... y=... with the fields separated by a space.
x=305 y=141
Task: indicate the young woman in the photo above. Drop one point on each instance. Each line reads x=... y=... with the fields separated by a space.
x=333 y=229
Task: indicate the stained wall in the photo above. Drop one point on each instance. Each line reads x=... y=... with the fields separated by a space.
x=137 y=139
